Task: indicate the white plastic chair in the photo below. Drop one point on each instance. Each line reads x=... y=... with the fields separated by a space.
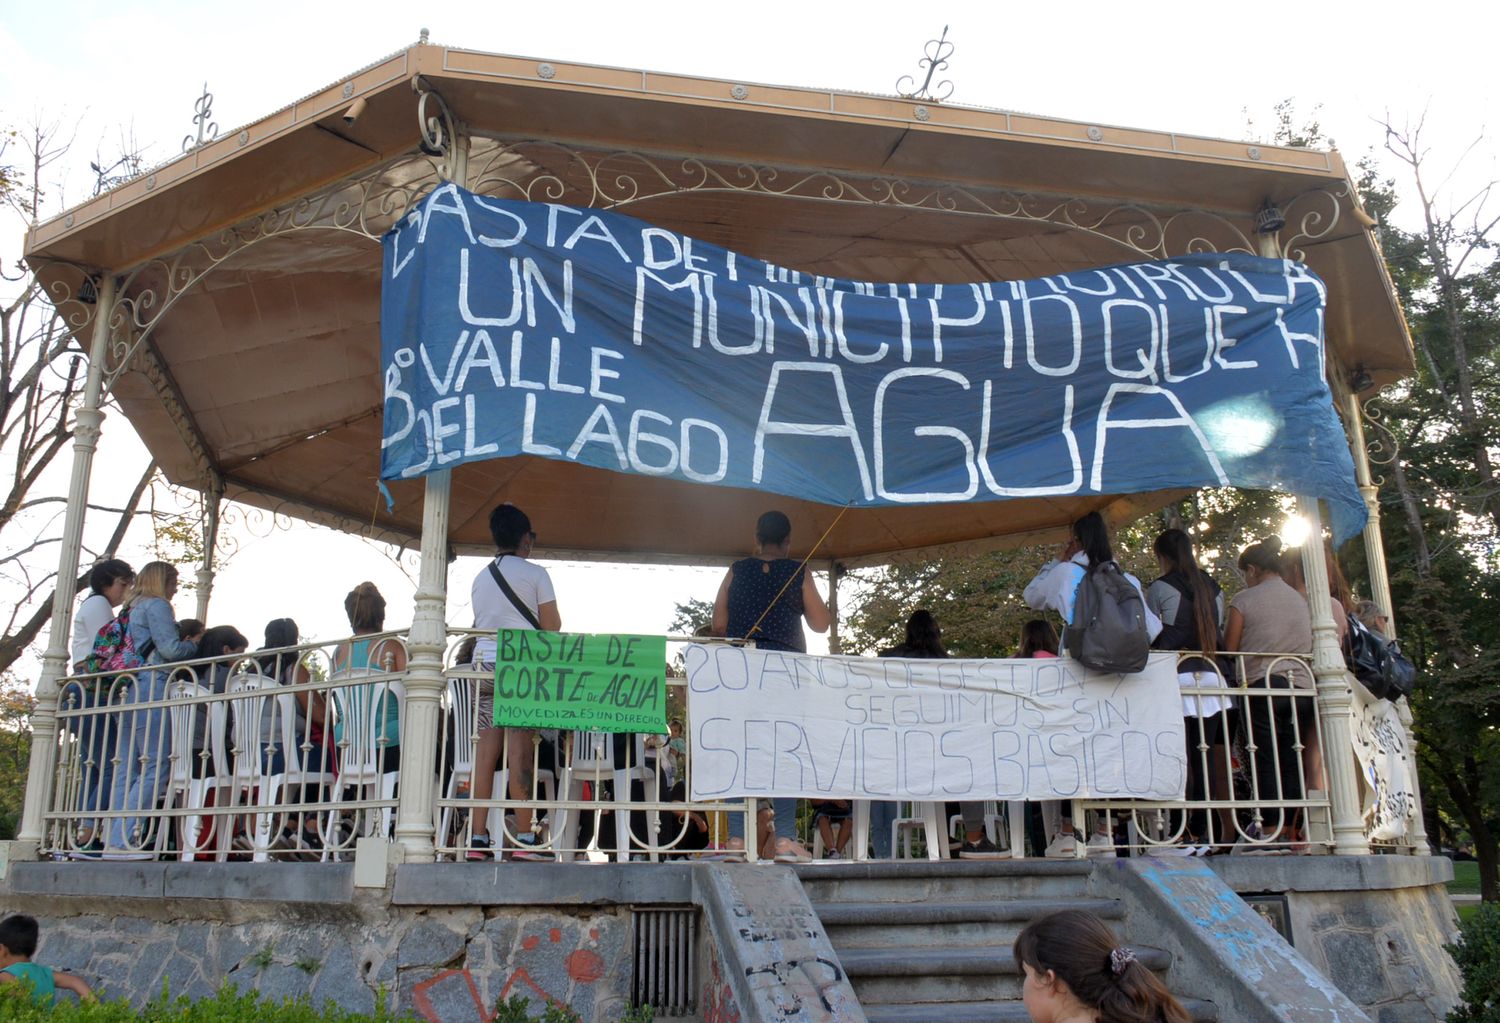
x=250 y=784
x=592 y=760
x=1013 y=839
x=462 y=696
x=926 y=816
x=359 y=710
x=182 y=788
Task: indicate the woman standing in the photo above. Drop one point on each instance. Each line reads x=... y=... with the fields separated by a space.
x=766 y=598
x=109 y=581
x=145 y=734
x=1191 y=607
x=1269 y=615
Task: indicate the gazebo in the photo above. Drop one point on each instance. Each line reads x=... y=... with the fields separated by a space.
x=229 y=300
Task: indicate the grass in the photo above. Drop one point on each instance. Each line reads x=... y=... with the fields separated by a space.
x=1465 y=879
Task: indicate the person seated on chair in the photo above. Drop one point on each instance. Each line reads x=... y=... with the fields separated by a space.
x=310 y=727
x=766 y=598
x=511 y=592
x=828 y=814
x=366 y=610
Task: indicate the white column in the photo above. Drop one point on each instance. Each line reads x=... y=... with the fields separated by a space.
x=425 y=646
x=213 y=499
x=424 y=677
x=1380 y=592
x=55 y=662
x=1334 y=697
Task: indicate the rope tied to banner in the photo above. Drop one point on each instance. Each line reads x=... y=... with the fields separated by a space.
x=750 y=633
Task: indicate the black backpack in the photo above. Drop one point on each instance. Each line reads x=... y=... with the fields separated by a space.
x=1108 y=632
x=1378 y=662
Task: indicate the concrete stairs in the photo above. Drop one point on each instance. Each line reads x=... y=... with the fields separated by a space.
x=929 y=942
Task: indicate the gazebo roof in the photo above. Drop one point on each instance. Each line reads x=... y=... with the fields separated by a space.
x=249 y=357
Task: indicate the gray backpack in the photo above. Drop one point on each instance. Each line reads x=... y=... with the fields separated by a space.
x=1109 y=622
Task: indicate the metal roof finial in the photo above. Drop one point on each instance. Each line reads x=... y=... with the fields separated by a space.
x=207 y=129
x=422 y=37
x=935 y=59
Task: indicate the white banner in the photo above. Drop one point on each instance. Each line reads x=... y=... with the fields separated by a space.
x=767 y=723
x=1385 y=764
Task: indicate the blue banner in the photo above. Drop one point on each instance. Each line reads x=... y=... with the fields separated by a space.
x=516 y=328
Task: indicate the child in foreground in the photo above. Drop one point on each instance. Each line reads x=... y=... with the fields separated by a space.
x=18 y=936
x=1078 y=972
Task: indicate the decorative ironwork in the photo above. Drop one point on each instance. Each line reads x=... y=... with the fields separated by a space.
x=438 y=127
x=1311 y=217
x=208 y=130
x=935 y=59
x=548 y=171
x=366 y=206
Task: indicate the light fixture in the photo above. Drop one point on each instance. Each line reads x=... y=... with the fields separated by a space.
x=1360 y=379
x=1269 y=219
x=355 y=109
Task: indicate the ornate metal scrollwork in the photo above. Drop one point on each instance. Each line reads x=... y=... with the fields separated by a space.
x=547 y=171
x=366 y=206
x=203 y=115
x=934 y=59
x=1311 y=217
x=436 y=122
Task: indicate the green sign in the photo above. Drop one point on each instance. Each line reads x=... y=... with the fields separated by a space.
x=580 y=681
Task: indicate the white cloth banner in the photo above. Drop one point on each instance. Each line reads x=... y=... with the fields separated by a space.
x=768 y=723
x=1385 y=765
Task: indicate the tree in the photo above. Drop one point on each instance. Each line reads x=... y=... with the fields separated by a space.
x=1441 y=520
x=42 y=373
x=16 y=704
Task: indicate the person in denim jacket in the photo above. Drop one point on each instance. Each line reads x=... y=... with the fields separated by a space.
x=145 y=735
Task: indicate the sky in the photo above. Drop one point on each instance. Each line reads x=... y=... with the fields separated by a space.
x=136 y=69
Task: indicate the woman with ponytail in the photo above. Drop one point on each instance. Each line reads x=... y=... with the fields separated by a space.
x=1270 y=618
x=1191 y=607
x=1076 y=971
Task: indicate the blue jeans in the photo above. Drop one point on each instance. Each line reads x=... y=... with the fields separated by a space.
x=144 y=743
x=786 y=819
x=882 y=814
x=97 y=734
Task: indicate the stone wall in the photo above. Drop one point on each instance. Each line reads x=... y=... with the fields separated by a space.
x=480 y=934
x=1374 y=925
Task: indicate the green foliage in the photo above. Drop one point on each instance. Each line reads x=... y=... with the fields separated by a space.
x=512 y=1010
x=690 y=616
x=1477 y=954
x=227 y=1006
x=638 y=1014
x=559 y=1013
x=262 y=959
x=16 y=704
x=309 y=964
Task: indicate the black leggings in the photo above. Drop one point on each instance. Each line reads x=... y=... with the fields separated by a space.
x=1276 y=725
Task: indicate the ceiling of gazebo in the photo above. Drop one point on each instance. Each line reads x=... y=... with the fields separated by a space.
x=272 y=357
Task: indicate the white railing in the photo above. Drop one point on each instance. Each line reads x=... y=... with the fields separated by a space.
x=300 y=752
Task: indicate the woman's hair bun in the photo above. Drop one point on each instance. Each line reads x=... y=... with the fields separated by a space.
x=1272 y=544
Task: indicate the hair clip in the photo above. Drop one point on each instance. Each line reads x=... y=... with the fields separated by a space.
x=1119 y=958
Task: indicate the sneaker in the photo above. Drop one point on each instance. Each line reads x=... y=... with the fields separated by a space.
x=526 y=849
x=832 y=854
x=1063 y=847
x=92 y=851
x=983 y=849
x=1101 y=847
x=479 y=849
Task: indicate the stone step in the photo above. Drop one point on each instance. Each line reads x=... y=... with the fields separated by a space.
x=990 y=1012
x=909 y=881
x=852 y=925
x=952 y=974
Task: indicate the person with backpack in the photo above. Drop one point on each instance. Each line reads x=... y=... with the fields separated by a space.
x=1190 y=605
x=109 y=581
x=145 y=736
x=1088 y=557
